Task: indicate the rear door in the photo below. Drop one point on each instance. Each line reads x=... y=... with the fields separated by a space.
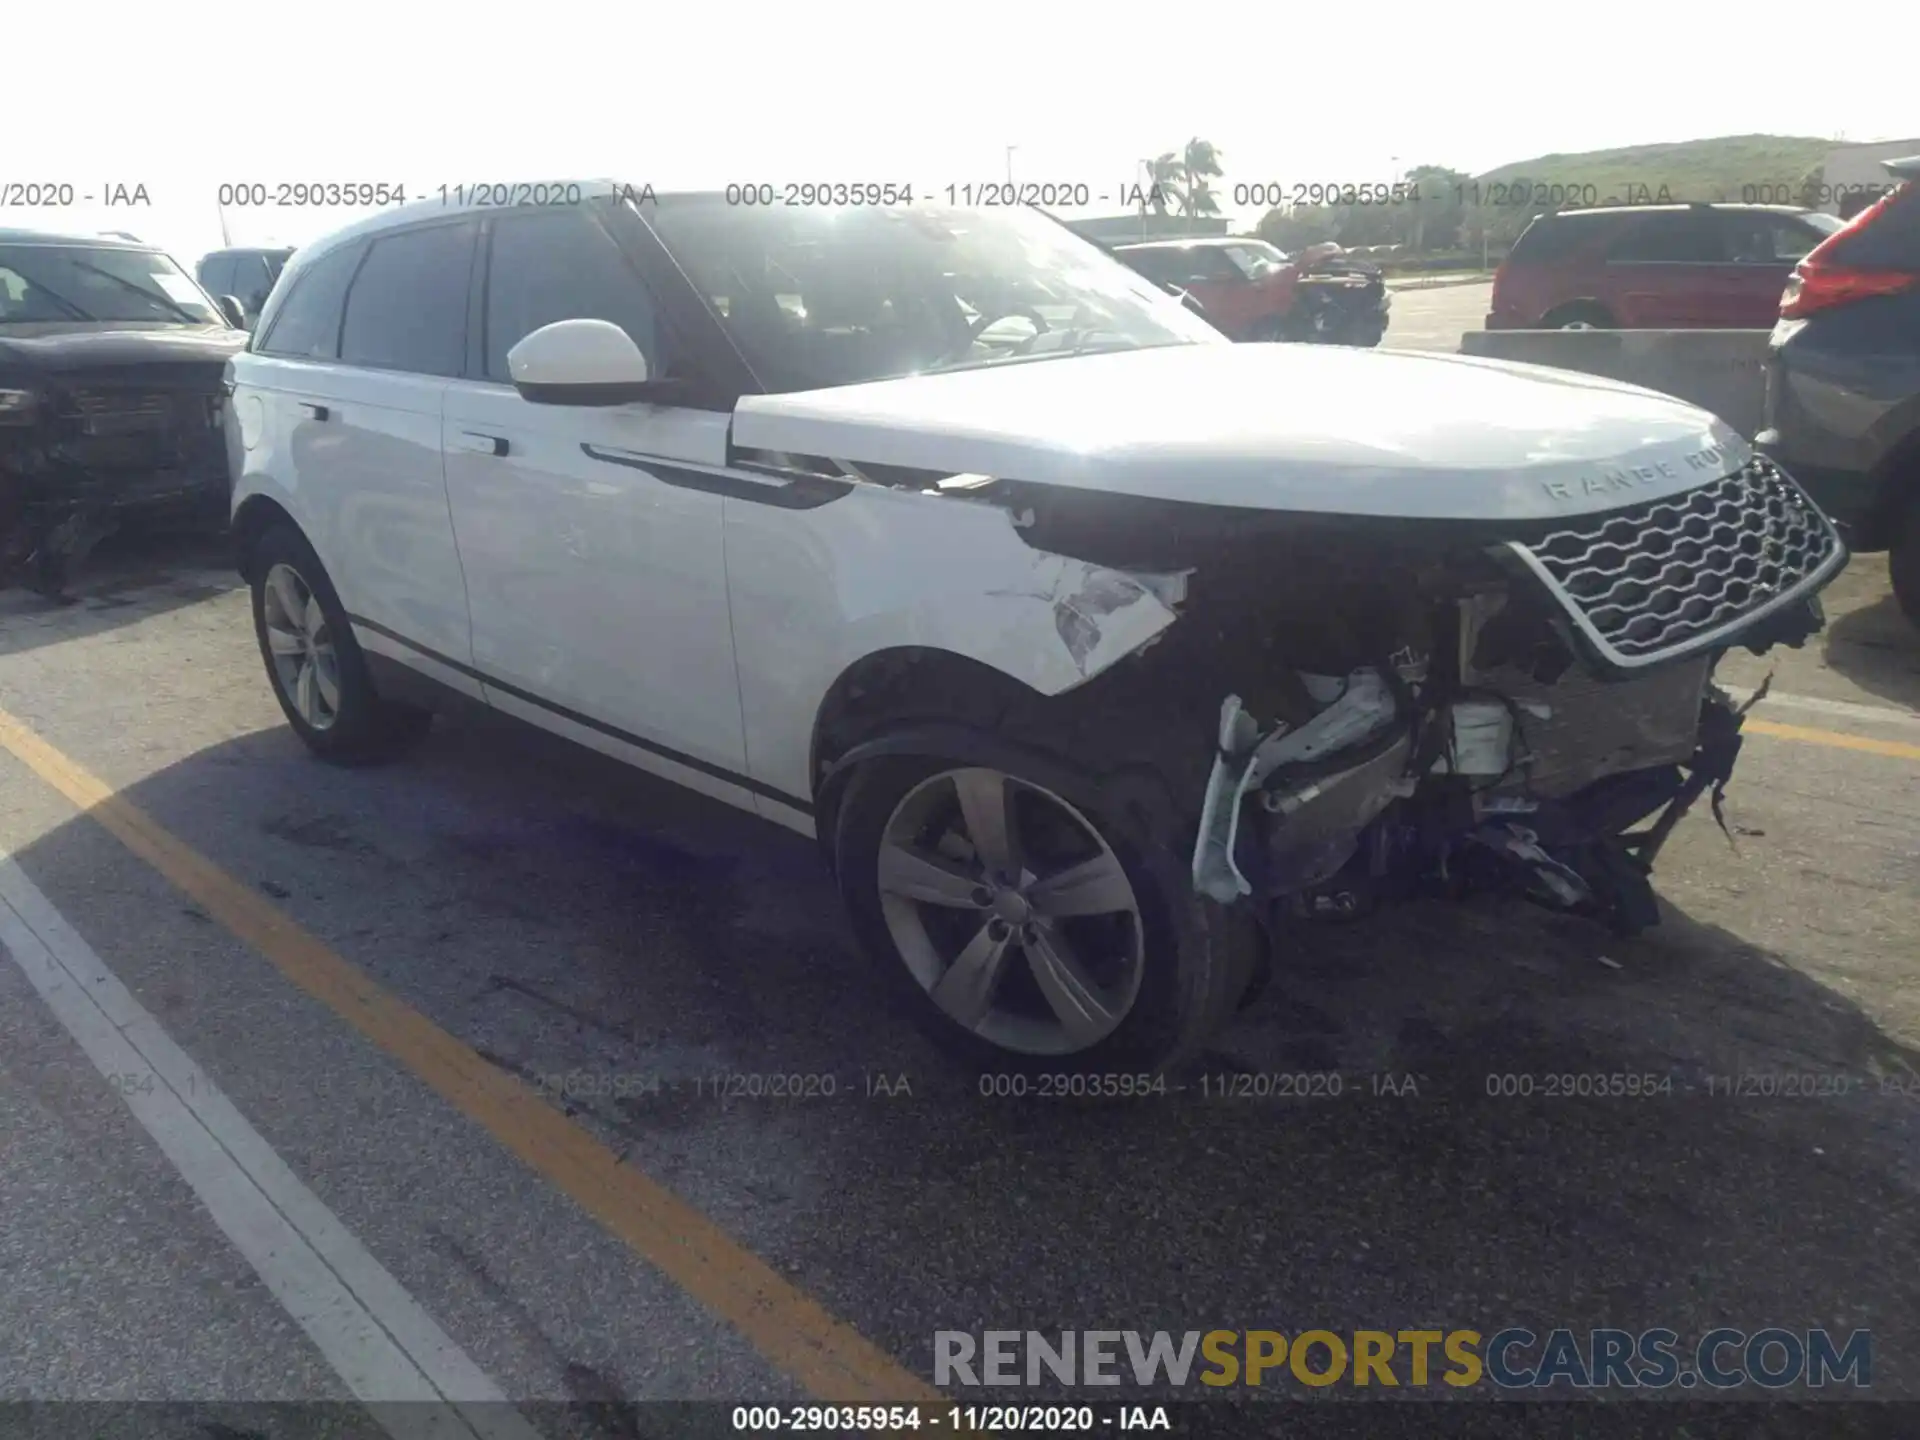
x=1667 y=270
x=1762 y=249
x=591 y=537
x=357 y=359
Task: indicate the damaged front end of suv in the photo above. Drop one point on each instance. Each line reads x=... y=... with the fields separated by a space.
x=1533 y=713
x=1417 y=706
x=111 y=400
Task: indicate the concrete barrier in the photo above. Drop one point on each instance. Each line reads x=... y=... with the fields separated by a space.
x=1718 y=370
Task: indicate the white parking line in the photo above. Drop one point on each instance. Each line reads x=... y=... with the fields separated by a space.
x=394 y=1358
x=1847 y=709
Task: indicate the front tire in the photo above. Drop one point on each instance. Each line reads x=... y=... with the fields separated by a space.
x=315 y=666
x=1019 y=929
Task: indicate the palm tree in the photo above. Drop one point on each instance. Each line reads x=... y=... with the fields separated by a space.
x=1198 y=165
x=1163 y=176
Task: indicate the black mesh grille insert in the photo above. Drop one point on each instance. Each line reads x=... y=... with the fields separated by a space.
x=1650 y=579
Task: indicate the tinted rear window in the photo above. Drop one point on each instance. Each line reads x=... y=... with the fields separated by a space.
x=307 y=324
x=1552 y=238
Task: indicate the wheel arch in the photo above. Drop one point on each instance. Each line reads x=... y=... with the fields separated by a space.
x=1584 y=304
x=877 y=696
x=919 y=700
x=256 y=514
x=1896 y=486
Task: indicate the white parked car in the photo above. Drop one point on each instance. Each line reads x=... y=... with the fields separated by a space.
x=1086 y=642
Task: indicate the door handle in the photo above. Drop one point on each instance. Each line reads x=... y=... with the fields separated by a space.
x=483 y=444
x=318 y=412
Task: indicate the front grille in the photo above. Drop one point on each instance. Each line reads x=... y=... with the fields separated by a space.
x=142 y=412
x=1669 y=576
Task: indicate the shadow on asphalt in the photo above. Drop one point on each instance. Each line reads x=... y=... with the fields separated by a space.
x=661 y=926
x=1878 y=649
x=131 y=576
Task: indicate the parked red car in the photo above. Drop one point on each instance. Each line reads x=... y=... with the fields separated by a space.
x=1244 y=286
x=1665 y=267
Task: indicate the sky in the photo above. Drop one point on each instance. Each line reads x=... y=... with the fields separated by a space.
x=931 y=95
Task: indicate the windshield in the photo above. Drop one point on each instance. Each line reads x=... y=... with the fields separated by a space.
x=1824 y=223
x=820 y=297
x=78 y=282
x=1256 y=258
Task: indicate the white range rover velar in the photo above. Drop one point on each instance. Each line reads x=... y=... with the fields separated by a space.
x=1089 y=644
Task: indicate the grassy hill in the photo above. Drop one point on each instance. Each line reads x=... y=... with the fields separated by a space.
x=1716 y=169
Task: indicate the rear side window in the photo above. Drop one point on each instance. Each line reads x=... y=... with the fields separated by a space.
x=1154 y=264
x=1207 y=262
x=306 y=325
x=1888 y=237
x=558 y=264
x=1553 y=238
x=250 y=282
x=407 y=308
x=1671 y=237
x=216 y=275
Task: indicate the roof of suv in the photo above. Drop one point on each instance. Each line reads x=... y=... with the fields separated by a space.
x=478 y=198
x=92 y=242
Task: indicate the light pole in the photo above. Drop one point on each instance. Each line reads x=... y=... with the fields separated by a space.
x=1010 y=150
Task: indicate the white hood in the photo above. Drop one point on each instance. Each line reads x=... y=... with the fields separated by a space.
x=1278 y=427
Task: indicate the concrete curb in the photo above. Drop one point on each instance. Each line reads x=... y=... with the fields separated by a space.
x=1423 y=283
x=1718 y=370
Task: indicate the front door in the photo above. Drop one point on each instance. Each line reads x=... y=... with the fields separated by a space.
x=593 y=553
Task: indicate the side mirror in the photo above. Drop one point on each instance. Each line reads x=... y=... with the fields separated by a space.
x=1186 y=299
x=584 y=362
x=234 y=312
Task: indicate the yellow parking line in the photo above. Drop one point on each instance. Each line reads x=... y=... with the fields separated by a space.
x=1833 y=739
x=834 y=1362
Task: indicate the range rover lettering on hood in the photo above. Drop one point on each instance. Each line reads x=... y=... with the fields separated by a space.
x=1304 y=428
x=1706 y=464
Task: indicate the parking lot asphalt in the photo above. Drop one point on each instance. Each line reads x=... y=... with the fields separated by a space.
x=383 y=973
x=1434 y=319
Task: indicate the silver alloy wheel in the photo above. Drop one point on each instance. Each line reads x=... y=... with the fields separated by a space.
x=1011 y=912
x=305 y=664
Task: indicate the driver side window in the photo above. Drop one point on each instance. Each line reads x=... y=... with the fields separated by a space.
x=560 y=265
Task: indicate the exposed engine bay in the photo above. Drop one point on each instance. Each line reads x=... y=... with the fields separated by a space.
x=1545 y=733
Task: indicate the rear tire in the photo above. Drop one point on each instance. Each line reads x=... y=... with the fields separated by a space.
x=1903 y=560
x=1578 y=317
x=1107 y=957
x=315 y=666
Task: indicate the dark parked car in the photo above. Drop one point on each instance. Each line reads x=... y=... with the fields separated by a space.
x=246 y=274
x=1843 y=380
x=1654 y=267
x=111 y=362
